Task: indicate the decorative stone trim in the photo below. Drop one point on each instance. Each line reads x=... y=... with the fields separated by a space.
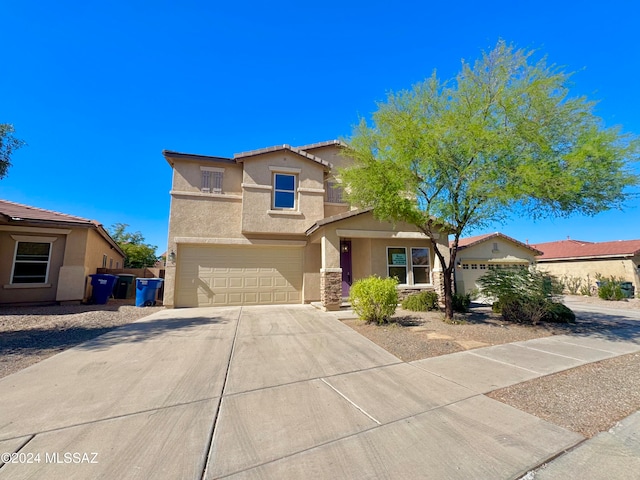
x=331 y=288
x=405 y=292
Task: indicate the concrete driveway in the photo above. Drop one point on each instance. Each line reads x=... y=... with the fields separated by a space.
x=276 y=392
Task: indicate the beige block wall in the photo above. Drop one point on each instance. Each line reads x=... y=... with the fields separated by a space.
x=623 y=268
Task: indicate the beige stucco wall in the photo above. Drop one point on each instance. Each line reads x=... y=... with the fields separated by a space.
x=623 y=268
x=258 y=216
x=312 y=265
x=29 y=293
x=480 y=254
x=187 y=176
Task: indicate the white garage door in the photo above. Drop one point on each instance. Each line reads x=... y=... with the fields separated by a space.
x=238 y=275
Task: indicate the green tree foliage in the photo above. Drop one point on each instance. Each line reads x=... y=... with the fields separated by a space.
x=8 y=144
x=374 y=299
x=138 y=254
x=503 y=136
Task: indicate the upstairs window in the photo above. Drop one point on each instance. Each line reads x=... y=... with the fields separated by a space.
x=333 y=192
x=31 y=263
x=211 y=180
x=284 y=191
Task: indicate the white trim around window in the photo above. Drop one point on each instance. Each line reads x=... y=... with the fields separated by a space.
x=285 y=193
x=31 y=260
x=415 y=270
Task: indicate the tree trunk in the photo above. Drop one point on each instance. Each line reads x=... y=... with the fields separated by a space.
x=447 y=283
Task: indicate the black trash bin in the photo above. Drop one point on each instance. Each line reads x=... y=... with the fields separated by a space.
x=124 y=286
x=627 y=289
x=102 y=287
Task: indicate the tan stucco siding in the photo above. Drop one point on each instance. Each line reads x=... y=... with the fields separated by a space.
x=187 y=176
x=331 y=209
x=312 y=265
x=26 y=293
x=258 y=212
x=204 y=217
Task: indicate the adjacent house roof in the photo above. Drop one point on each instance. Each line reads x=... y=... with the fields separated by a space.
x=17 y=214
x=574 y=249
x=471 y=241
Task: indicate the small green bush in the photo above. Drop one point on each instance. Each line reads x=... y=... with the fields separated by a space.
x=421 y=302
x=610 y=288
x=461 y=302
x=519 y=309
x=374 y=299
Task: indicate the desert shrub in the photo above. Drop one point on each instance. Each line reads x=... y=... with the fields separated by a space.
x=518 y=309
x=610 y=288
x=461 y=302
x=421 y=302
x=374 y=299
x=525 y=295
x=523 y=282
x=572 y=284
x=560 y=313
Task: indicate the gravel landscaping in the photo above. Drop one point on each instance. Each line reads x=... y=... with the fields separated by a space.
x=31 y=334
x=586 y=399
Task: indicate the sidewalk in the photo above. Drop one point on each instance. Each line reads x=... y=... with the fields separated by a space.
x=284 y=392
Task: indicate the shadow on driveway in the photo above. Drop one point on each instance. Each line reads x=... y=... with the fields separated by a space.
x=60 y=338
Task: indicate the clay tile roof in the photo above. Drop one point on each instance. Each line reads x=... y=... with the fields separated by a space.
x=261 y=151
x=17 y=211
x=470 y=241
x=565 y=249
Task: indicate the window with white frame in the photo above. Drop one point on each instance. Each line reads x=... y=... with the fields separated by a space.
x=284 y=191
x=421 y=265
x=104 y=261
x=31 y=262
x=211 y=180
x=415 y=270
x=397 y=263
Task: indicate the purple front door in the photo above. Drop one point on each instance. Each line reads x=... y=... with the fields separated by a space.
x=345 y=264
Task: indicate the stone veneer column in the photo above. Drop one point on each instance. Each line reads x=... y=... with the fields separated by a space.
x=331 y=288
x=438 y=286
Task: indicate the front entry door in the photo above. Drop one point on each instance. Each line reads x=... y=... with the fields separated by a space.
x=345 y=264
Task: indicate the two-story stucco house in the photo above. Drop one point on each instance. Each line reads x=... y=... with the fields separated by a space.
x=270 y=226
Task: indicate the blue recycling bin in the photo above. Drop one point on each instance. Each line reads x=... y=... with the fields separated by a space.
x=102 y=284
x=146 y=291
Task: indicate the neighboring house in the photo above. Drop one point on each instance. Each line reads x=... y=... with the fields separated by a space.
x=478 y=254
x=270 y=226
x=575 y=258
x=46 y=256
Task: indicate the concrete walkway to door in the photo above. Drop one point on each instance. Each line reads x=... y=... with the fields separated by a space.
x=277 y=392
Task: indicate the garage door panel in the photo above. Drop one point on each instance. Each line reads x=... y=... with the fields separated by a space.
x=231 y=275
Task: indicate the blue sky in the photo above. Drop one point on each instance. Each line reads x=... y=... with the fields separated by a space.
x=99 y=89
